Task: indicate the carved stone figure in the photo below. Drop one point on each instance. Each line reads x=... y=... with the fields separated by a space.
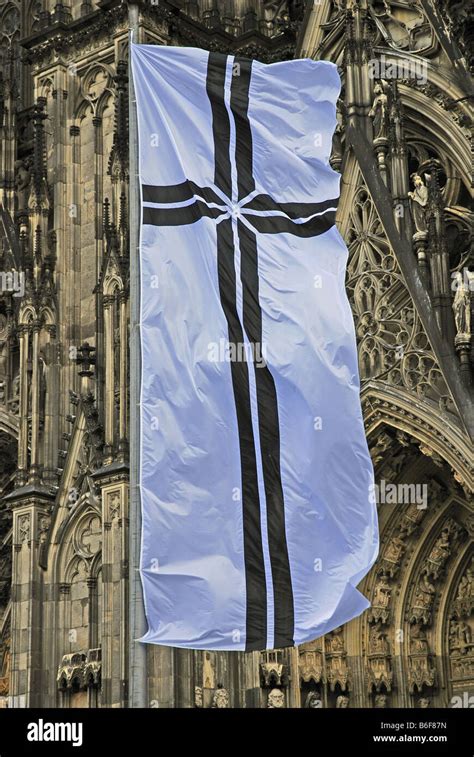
x=220 y=700
x=337 y=148
x=380 y=701
x=395 y=549
x=342 y=702
x=43 y=526
x=22 y=175
x=419 y=201
x=378 y=640
x=462 y=306
x=425 y=593
x=441 y=549
x=423 y=703
x=198 y=696
x=335 y=640
x=418 y=640
x=382 y=592
x=313 y=700
x=380 y=110
x=276 y=699
x=463 y=588
x=460 y=635
x=16 y=386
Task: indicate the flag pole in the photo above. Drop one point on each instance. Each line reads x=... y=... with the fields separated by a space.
x=137 y=622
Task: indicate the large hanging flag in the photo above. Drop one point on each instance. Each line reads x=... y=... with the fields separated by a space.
x=256 y=483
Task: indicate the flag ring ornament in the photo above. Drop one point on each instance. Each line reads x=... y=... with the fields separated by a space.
x=258 y=519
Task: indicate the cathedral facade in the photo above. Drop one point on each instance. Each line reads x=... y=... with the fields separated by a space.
x=402 y=146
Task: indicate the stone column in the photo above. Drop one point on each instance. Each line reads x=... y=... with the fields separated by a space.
x=113 y=482
x=30 y=509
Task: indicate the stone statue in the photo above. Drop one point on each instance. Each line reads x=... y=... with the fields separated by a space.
x=335 y=640
x=466 y=585
x=425 y=593
x=22 y=175
x=470 y=581
x=464 y=635
x=395 y=549
x=276 y=699
x=342 y=702
x=380 y=701
x=424 y=703
x=22 y=183
x=382 y=592
x=462 y=306
x=380 y=110
x=220 y=700
x=460 y=635
x=16 y=385
x=337 y=148
x=313 y=700
x=378 y=640
x=441 y=549
x=419 y=201
x=418 y=640
x=198 y=696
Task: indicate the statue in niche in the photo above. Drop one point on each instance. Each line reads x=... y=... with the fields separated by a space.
x=462 y=305
x=382 y=592
x=198 y=696
x=313 y=700
x=419 y=201
x=418 y=640
x=460 y=635
x=470 y=581
x=379 y=111
x=380 y=702
x=220 y=700
x=16 y=386
x=22 y=182
x=395 y=549
x=276 y=699
x=423 y=703
x=3 y=346
x=342 y=702
x=425 y=593
x=378 y=640
x=441 y=549
x=335 y=640
x=463 y=588
x=337 y=151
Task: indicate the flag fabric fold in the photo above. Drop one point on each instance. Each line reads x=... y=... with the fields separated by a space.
x=255 y=479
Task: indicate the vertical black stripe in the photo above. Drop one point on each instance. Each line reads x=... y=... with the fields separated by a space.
x=239 y=103
x=256 y=624
x=266 y=392
x=215 y=87
x=269 y=442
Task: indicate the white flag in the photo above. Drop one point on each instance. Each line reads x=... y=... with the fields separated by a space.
x=255 y=477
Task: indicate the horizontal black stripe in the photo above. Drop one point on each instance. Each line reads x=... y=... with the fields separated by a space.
x=179 y=216
x=291 y=209
x=282 y=225
x=178 y=193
